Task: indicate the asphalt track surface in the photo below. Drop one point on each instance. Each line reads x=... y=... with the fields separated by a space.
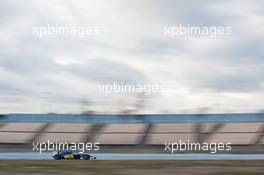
x=118 y=156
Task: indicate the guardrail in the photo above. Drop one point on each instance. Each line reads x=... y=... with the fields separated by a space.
x=137 y=134
x=246 y=128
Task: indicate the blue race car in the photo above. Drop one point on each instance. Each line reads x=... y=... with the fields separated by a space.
x=70 y=155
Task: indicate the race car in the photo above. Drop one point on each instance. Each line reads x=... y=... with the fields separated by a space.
x=70 y=155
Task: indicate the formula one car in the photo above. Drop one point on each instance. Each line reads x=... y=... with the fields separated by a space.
x=70 y=155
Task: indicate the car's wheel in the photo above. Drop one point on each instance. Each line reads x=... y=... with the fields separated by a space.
x=85 y=157
x=56 y=157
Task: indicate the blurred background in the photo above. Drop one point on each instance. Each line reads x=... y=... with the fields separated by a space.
x=126 y=43
x=58 y=58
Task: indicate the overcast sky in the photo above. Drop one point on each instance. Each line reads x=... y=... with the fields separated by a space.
x=61 y=73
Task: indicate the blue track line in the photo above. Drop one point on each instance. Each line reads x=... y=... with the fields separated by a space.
x=108 y=119
x=119 y=156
